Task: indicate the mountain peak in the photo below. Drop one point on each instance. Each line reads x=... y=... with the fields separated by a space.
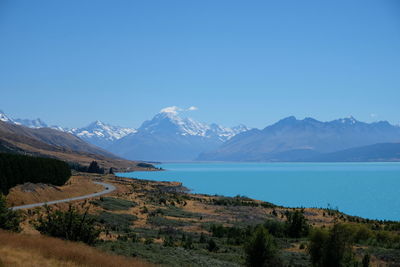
x=4 y=117
x=348 y=120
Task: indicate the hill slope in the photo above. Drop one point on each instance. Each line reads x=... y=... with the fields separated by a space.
x=56 y=144
x=377 y=152
x=36 y=250
x=293 y=140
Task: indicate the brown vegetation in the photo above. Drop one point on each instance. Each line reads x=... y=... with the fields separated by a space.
x=56 y=144
x=26 y=250
x=33 y=193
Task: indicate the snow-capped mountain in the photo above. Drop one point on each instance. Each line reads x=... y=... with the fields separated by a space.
x=169 y=137
x=37 y=123
x=171 y=122
x=4 y=117
x=101 y=134
x=97 y=133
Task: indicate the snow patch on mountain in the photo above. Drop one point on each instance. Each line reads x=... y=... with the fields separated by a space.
x=37 y=123
x=4 y=117
x=168 y=120
x=101 y=134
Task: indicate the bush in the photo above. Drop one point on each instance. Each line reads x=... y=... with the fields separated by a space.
x=116 y=222
x=296 y=224
x=261 y=249
x=331 y=249
x=9 y=219
x=276 y=228
x=19 y=169
x=95 y=168
x=69 y=225
x=111 y=203
x=212 y=246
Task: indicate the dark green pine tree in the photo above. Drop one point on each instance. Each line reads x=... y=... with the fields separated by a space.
x=94 y=167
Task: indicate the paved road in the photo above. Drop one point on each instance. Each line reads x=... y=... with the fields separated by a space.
x=109 y=189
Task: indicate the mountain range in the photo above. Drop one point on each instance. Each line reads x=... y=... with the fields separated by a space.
x=291 y=139
x=166 y=137
x=52 y=143
x=170 y=137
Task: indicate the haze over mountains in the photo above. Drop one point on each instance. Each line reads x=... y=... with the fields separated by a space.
x=291 y=139
x=169 y=137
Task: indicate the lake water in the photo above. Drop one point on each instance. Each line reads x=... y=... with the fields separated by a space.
x=370 y=190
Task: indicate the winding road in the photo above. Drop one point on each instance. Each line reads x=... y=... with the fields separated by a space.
x=108 y=189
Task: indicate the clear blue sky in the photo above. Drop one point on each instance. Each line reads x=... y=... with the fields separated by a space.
x=251 y=62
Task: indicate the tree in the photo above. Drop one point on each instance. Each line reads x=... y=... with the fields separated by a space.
x=95 y=168
x=366 y=260
x=318 y=238
x=70 y=225
x=296 y=224
x=111 y=171
x=331 y=249
x=9 y=219
x=212 y=246
x=18 y=169
x=261 y=249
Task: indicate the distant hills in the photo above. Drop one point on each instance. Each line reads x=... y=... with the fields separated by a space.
x=170 y=137
x=291 y=139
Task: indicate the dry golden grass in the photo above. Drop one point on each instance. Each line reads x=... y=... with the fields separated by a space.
x=27 y=250
x=76 y=186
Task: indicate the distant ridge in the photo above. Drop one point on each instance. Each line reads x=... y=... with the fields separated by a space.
x=291 y=139
x=385 y=152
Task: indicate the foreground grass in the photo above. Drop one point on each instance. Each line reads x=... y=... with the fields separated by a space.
x=162 y=223
x=28 y=250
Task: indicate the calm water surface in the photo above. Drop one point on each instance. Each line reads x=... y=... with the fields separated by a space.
x=369 y=190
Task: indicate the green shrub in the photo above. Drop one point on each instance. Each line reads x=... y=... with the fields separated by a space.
x=296 y=224
x=111 y=203
x=331 y=248
x=276 y=228
x=212 y=246
x=69 y=225
x=261 y=249
x=161 y=221
x=116 y=222
x=9 y=219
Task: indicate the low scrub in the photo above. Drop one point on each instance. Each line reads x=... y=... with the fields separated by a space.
x=111 y=203
x=9 y=219
x=69 y=225
x=116 y=222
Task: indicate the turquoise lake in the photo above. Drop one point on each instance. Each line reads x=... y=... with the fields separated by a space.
x=370 y=190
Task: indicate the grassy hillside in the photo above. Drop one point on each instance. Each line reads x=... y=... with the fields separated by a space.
x=35 y=250
x=55 y=144
x=162 y=223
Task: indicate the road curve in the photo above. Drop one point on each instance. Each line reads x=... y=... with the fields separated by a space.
x=109 y=189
